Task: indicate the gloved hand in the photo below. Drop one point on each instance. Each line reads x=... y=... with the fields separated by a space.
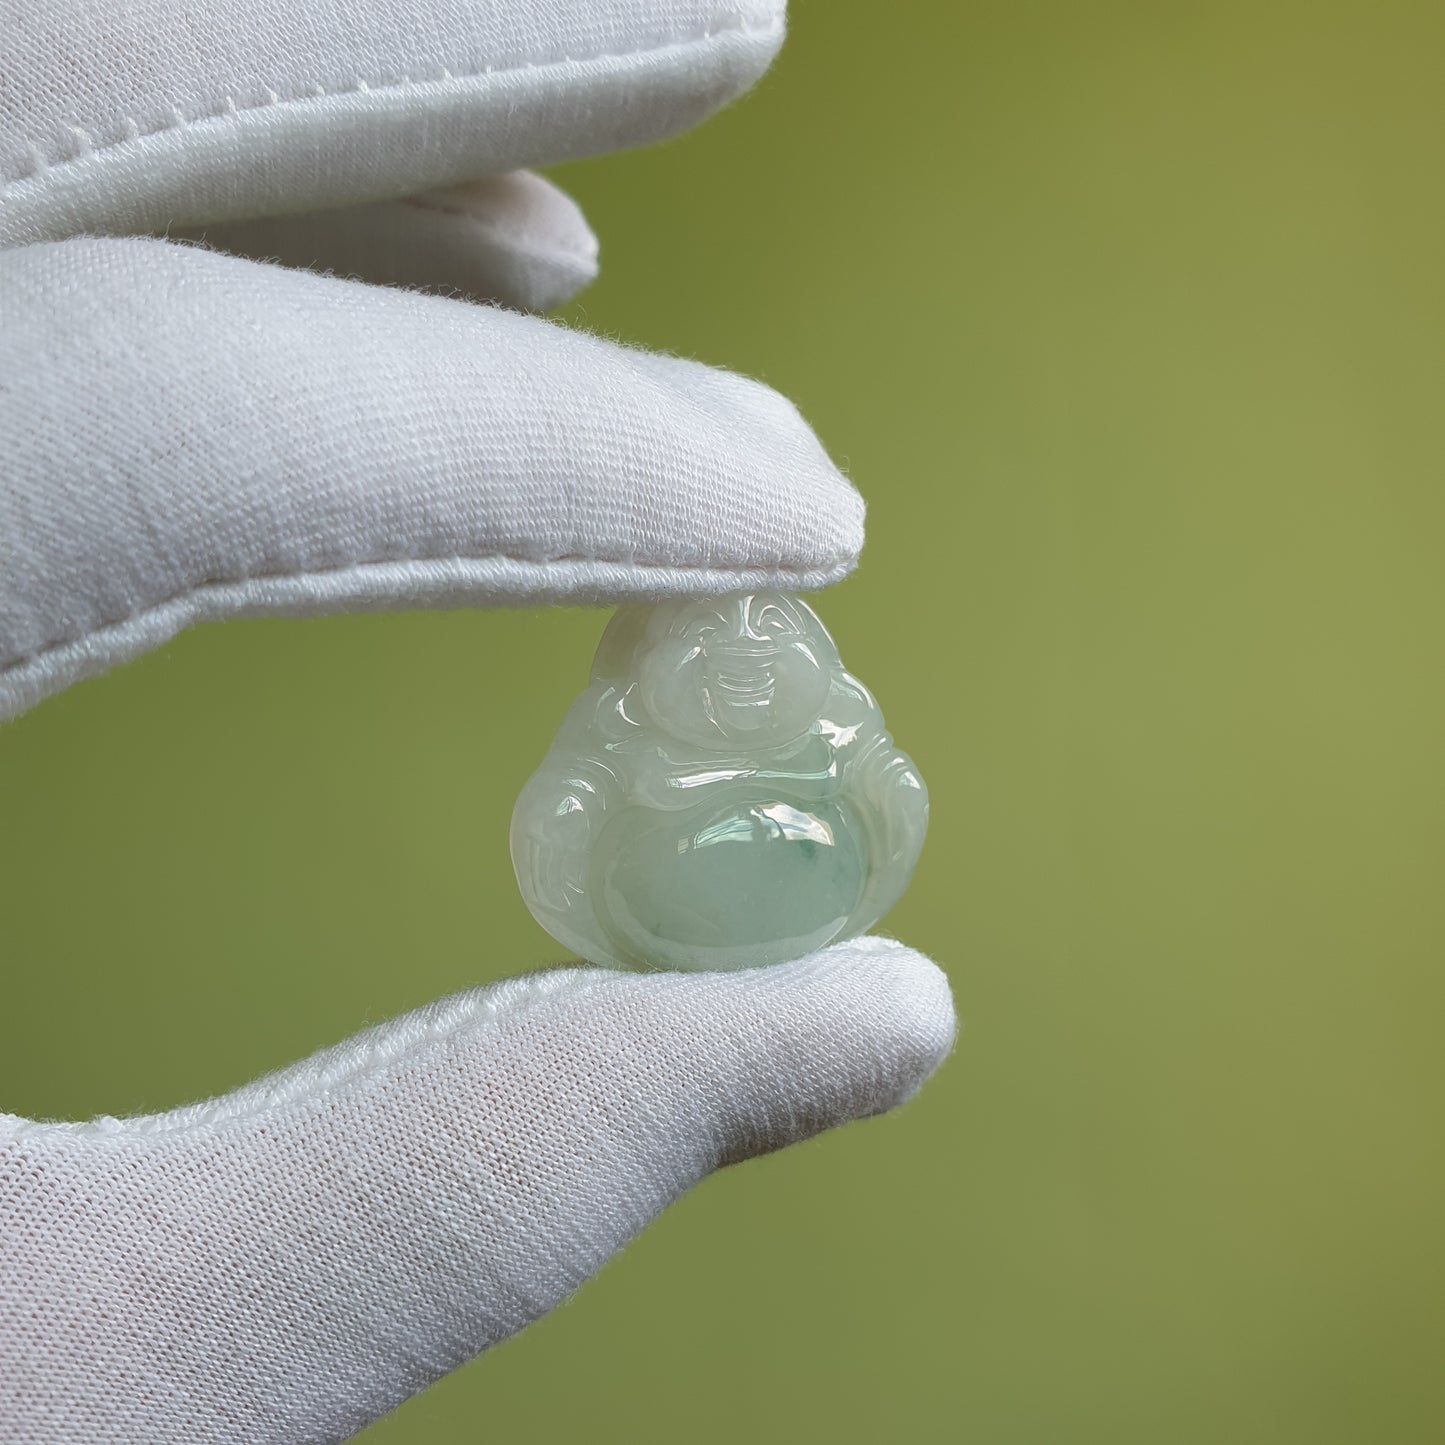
x=191 y=434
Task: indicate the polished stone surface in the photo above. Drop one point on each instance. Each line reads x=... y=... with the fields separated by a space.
x=723 y=795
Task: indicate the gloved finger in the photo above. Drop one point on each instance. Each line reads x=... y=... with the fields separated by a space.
x=178 y=112
x=192 y=436
x=292 y=1261
x=514 y=239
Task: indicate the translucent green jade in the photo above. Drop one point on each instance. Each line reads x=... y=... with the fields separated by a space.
x=723 y=795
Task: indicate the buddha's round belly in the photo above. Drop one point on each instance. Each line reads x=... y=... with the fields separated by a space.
x=731 y=884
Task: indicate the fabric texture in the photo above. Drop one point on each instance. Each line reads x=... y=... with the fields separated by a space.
x=193 y=434
x=178 y=112
x=238 y=459
x=514 y=239
x=288 y=1263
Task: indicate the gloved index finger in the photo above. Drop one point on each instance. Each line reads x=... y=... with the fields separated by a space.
x=193 y=436
x=122 y=119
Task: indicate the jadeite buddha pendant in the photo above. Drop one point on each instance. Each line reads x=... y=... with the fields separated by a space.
x=723 y=795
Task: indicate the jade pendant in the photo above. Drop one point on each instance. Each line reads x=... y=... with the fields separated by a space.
x=723 y=795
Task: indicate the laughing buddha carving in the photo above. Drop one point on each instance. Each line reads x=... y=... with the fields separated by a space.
x=723 y=795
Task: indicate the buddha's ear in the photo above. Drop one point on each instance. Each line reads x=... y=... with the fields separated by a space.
x=810 y=625
x=615 y=652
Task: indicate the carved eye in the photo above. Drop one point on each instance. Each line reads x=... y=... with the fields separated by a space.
x=773 y=620
x=698 y=624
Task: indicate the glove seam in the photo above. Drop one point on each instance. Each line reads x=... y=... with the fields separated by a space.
x=307 y=1080
x=131 y=131
x=796 y=570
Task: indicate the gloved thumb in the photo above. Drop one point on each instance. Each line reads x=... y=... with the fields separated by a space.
x=291 y=1261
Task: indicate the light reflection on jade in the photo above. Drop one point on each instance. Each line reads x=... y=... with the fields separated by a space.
x=723 y=795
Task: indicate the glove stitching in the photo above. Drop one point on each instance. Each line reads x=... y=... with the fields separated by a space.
x=131 y=130
x=795 y=570
x=306 y=1082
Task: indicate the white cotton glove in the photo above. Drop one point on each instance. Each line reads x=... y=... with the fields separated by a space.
x=191 y=434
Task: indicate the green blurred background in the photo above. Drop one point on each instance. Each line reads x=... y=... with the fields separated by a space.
x=1128 y=322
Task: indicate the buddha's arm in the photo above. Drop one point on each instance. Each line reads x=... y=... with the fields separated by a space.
x=888 y=791
x=558 y=816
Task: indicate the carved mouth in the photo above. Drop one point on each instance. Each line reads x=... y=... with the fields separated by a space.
x=751 y=689
x=740 y=696
x=746 y=684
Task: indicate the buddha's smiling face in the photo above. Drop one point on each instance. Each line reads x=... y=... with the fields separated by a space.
x=744 y=672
